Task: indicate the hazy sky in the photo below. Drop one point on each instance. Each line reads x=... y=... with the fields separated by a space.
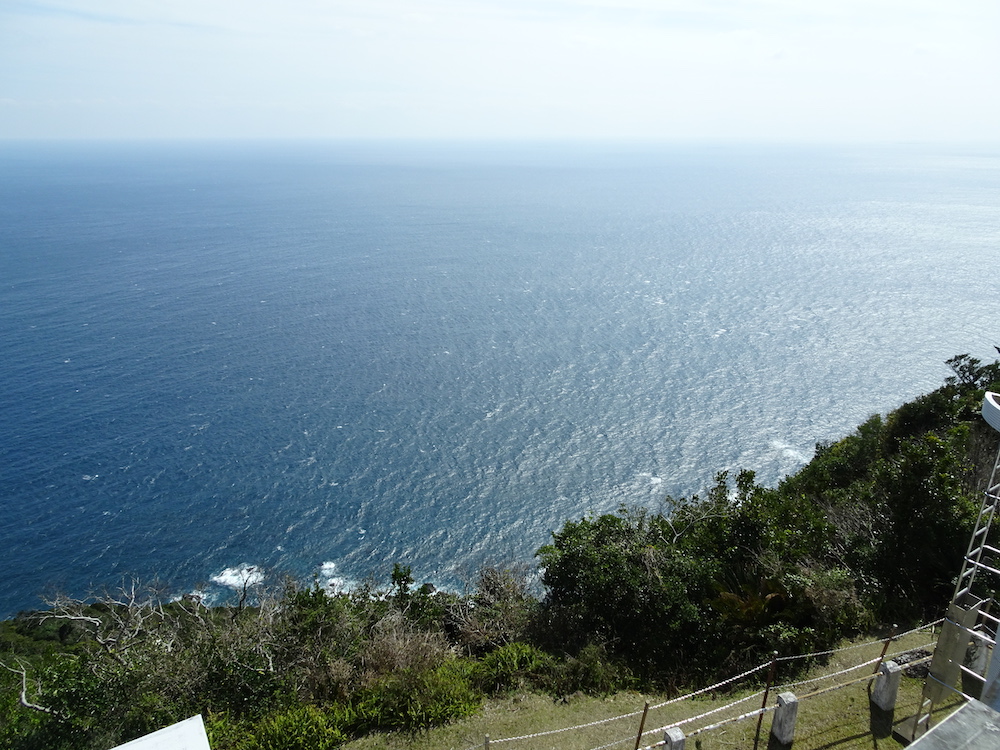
x=869 y=70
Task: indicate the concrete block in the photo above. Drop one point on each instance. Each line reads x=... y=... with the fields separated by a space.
x=674 y=738
x=783 y=726
x=886 y=685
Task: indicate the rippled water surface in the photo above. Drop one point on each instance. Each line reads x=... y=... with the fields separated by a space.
x=329 y=358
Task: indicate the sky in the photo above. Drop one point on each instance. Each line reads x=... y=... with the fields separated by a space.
x=744 y=70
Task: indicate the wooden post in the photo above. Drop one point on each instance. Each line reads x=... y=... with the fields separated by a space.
x=763 y=703
x=642 y=725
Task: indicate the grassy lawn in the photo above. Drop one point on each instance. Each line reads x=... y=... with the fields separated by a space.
x=839 y=718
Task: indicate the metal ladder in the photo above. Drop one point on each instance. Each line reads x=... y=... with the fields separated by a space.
x=982 y=556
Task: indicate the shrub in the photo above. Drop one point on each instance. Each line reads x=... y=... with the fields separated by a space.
x=591 y=672
x=511 y=666
x=299 y=728
x=396 y=645
x=419 y=699
x=501 y=610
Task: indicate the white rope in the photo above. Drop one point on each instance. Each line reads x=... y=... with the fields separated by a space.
x=862 y=645
x=637 y=713
x=721 y=684
x=750 y=714
x=612 y=744
x=868 y=663
x=567 y=729
x=922 y=647
x=710 y=688
x=707 y=713
x=827 y=676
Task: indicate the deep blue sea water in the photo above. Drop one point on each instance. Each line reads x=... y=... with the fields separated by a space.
x=326 y=358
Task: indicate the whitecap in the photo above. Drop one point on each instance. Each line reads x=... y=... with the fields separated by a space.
x=331 y=581
x=327 y=568
x=788 y=450
x=195 y=595
x=238 y=577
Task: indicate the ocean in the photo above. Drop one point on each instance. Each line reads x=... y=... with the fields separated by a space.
x=321 y=359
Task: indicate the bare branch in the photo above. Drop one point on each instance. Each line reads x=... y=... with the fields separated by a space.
x=24 y=692
x=691 y=515
x=115 y=620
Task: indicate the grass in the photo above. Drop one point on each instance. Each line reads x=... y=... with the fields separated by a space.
x=828 y=719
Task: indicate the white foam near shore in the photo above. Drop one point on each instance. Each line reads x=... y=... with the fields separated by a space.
x=331 y=581
x=237 y=578
x=787 y=450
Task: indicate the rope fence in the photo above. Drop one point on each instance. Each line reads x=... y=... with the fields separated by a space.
x=712 y=688
x=891 y=638
x=566 y=729
x=758 y=712
x=714 y=711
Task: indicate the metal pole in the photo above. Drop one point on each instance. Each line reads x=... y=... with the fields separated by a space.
x=642 y=725
x=892 y=634
x=763 y=704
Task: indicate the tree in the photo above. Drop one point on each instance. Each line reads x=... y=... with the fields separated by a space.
x=617 y=581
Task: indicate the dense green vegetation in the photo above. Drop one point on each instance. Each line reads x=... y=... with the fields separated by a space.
x=870 y=532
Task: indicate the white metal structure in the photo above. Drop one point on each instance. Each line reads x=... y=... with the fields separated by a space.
x=185 y=735
x=969 y=635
